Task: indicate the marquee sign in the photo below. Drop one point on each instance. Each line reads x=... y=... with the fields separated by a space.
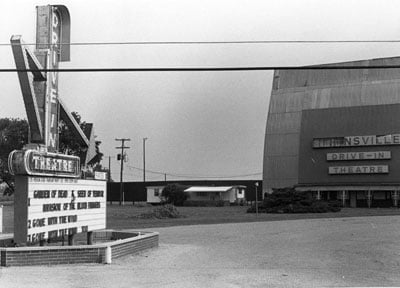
x=32 y=162
x=50 y=200
x=54 y=207
x=356 y=141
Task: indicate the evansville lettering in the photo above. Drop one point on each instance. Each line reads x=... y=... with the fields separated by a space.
x=355 y=141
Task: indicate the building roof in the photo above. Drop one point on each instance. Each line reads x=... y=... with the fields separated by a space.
x=209 y=189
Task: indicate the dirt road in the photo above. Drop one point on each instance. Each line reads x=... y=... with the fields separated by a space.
x=299 y=253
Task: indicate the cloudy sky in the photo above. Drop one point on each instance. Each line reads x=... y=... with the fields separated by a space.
x=198 y=124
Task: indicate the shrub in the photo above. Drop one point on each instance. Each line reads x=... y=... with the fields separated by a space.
x=204 y=203
x=162 y=212
x=142 y=204
x=335 y=204
x=199 y=203
x=252 y=209
x=174 y=194
x=220 y=203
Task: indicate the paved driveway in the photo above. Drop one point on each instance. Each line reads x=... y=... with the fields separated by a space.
x=300 y=253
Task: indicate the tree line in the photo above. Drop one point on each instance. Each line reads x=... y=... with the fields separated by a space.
x=14 y=135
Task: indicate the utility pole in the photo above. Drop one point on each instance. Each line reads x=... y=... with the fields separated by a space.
x=122 y=158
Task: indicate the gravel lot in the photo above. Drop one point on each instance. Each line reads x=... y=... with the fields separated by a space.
x=360 y=251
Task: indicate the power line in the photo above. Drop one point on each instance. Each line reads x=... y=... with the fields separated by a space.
x=194 y=176
x=183 y=69
x=130 y=167
x=150 y=171
x=214 y=42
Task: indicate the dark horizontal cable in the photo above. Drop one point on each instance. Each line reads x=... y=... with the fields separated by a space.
x=213 y=42
x=172 y=69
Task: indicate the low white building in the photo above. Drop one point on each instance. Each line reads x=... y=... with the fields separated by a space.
x=231 y=194
x=154 y=194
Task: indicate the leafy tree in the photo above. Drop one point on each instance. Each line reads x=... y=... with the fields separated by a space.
x=13 y=135
x=174 y=194
x=288 y=200
x=70 y=144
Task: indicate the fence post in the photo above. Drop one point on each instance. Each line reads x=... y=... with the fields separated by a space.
x=1 y=218
x=108 y=255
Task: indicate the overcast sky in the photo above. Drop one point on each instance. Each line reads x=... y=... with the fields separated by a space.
x=197 y=123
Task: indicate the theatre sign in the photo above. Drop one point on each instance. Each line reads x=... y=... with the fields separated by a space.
x=32 y=162
x=357 y=141
x=51 y=201
x=365 y=169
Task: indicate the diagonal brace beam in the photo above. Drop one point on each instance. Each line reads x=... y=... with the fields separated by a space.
x=86 y=138
x=72 y=124
x=28 y=92
x=38 y=73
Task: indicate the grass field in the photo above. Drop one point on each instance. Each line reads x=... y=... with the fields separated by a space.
x=124 y=217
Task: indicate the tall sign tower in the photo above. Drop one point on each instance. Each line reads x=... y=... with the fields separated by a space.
x=50 y=199
x=38 y=77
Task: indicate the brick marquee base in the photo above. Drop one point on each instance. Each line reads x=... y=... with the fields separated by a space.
x=121 y=243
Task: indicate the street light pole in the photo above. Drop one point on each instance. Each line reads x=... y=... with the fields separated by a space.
x=256 y=199
x=144 y=161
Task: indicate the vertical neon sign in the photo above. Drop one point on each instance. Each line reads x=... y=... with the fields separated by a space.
x=52 y=84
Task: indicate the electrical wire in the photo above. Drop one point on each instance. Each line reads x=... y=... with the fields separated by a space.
x=132 y=168
x=193 y=176
x=213 y=42
x=244 y=68
x=177 y=69
x=214 y=177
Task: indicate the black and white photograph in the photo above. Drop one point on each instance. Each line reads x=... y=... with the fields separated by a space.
x=172 y=143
